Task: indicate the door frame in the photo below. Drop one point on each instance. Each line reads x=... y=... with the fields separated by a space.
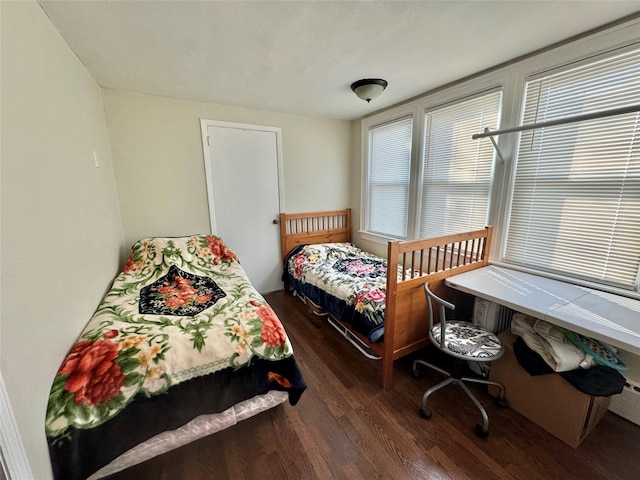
x=204 y=129
x=13 y=458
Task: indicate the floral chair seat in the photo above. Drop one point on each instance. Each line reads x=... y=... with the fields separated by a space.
x=467 y=339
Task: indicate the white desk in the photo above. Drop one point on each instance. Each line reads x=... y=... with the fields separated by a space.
x=611 y=318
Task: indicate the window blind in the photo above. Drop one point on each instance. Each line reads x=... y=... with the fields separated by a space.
x=576 y=197
x=457 y=172
x=388 y=179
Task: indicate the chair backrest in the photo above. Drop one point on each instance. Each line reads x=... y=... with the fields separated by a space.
x=442 y=306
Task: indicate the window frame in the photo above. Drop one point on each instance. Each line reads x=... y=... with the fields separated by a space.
x=505 y=219
x=369 y=183
x=368 y=124
x=417 y=109
x=420 y=179
x=511 y=78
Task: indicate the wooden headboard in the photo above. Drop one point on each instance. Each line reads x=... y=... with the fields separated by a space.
x=320 y=227
x=422 y=261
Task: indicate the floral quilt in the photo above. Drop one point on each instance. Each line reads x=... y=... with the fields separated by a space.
x=180 y=333
x=344 y=280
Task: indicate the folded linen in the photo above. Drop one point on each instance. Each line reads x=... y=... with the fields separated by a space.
x=550 y=343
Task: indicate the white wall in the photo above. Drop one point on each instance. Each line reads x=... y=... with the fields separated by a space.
x=61 y=229
x=159 y=163
x=62 y=238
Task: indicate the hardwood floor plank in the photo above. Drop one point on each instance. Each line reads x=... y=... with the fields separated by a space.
x=352 y=472
x=316 y=451
x=447 y=465
x=346 y=427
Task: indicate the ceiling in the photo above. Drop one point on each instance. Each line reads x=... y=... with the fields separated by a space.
x=300 y=57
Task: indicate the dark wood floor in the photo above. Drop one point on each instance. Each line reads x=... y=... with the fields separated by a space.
x=346 y=427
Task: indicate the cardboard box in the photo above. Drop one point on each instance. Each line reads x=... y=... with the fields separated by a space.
x=547 y=400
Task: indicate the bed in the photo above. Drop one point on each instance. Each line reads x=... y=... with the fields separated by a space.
x=392 y=294
x=182 y=346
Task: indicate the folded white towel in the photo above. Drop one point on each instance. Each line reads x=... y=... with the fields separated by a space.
x=550 y=343
x=521 y=324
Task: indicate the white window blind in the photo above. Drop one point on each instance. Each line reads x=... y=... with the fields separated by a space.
x=576 y=198
x=457 y=171
x=388 y=177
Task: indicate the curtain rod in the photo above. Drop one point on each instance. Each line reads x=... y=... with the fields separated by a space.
x=560 y=121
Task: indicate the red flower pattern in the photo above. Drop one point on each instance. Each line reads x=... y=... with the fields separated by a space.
x=94 y=377
x=298 y=261
x=129 y=265
x=203 y=298
x=376 y=295
x=273 y=334
x=111 y=333
x=181 y=293
x=219 y=250
x=92 y=374
x=360 y=268
x=132 y=264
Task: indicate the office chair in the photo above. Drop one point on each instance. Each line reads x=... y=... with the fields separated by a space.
x=465 y=342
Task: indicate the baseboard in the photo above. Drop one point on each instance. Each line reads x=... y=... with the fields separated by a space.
x=627 y=404
x=14 y=457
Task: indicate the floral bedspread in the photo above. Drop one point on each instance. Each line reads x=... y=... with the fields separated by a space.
x=344 y=280
x=179 y=319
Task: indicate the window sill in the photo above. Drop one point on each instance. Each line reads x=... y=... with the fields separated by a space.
x=374 y=238
x=574 y=281
x=604 y=316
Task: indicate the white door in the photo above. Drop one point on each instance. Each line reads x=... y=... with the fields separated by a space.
x=243 y=165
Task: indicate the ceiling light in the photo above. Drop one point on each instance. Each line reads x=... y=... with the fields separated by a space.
x=368 y=88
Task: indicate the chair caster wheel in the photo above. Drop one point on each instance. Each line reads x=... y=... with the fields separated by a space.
x=425 y=413
x=501 y=402
x=416 y=374
x=481 y=432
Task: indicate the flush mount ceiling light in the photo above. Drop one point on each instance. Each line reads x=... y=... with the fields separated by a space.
x=368 y=88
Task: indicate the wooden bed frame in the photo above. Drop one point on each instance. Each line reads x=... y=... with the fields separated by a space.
x=422 y=261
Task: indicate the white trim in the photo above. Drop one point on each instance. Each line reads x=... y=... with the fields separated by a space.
x=417 y=171
x=367 y=123
x=204 y=126
x=14 y=457
x=375 y=238
x=504 y=174
x=511 y=77
x=418 y=109
x=572 y=280
x=580 y=310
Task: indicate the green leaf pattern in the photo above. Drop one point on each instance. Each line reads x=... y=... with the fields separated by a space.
x=314 y=264
x=121 y=354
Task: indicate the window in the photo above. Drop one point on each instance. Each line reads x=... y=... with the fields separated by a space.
x=457 y=172
x=564 y=202
x=388 y=177
x=576 y=197
x=453 y=193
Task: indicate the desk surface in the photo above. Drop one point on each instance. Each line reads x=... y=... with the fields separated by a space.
x=611 y=318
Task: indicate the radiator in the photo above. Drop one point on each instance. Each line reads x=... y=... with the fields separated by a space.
x=497 y=318
x=627 y=404
x=494 y=317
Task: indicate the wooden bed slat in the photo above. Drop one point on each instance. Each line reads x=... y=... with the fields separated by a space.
x=316 y=227
x=406 y=323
